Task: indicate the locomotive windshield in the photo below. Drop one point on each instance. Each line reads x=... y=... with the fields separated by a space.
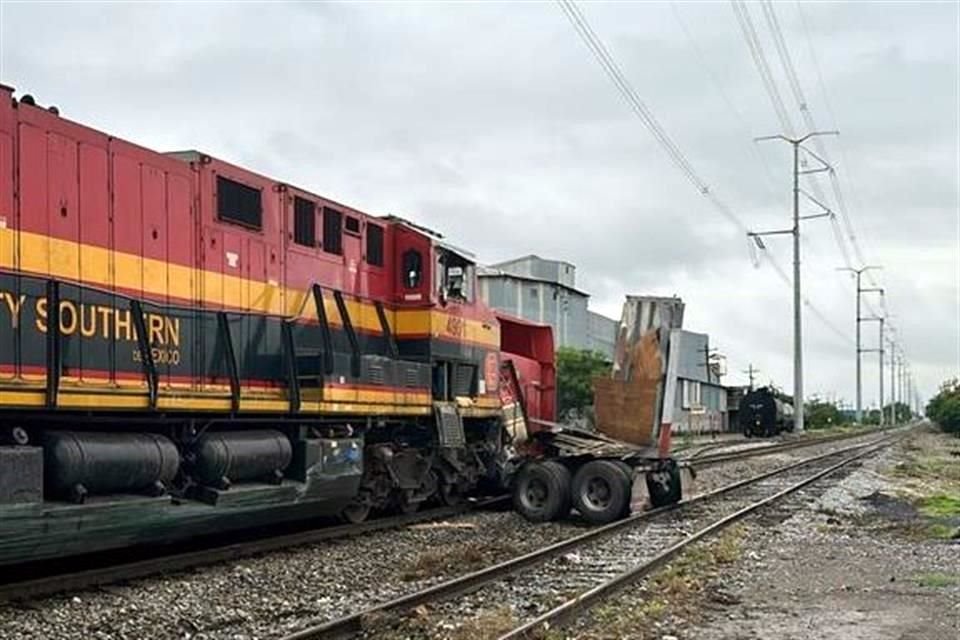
x=455 y=275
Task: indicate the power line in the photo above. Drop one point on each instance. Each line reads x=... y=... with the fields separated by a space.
x=755 y=47
x=715 y=79
x=834 y=180
x=760 y=60
x=786 y=61
x=627 y=92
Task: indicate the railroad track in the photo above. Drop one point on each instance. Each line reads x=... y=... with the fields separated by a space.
x=699 y=460
x=167 y=563
x=53 y=583
x=561 y=580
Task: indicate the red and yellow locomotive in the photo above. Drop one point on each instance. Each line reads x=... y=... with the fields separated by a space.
x=188 y=346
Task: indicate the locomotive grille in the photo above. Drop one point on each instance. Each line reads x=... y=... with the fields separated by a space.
x=451 y=426
x=376 y=373
x=464 y=381
x=410 y=377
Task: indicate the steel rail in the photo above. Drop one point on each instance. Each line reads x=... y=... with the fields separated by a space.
x=752 y=452
x=565 y=612
x=98 y=576
x=160 y=564
x=356 y=623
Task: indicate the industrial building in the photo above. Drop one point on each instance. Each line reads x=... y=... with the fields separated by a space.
x=700 y=404
x=545 y=291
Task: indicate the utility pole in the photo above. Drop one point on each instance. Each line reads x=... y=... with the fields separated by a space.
x=903 y=384
x=892 y=345
x=893 y=383
x=708 y=355
x=897 y=394
x=880 y=349
x=859 y=272
x=750 y=371
x=795 y=231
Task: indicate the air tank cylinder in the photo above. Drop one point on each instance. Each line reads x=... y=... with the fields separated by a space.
x=222 y=458
x=78 y=463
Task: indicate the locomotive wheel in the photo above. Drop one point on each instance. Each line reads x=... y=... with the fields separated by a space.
x=601 y=491
x=447 y=493
x=542 y=491
x=406 y=508
x=355 y=512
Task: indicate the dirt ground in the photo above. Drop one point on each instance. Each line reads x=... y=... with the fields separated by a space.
x=876 y=556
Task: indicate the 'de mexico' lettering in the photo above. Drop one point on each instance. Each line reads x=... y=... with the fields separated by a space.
x=91 y=320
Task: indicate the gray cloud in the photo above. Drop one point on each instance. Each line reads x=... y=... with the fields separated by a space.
x=492 y=123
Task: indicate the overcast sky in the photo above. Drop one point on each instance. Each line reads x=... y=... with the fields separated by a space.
x=494 y=124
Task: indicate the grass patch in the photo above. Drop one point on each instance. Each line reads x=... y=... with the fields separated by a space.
x=942 y=532
x=679 y=588
x=929 y=468
x=940 y=506
x=454 y=561
x=488 y=625
x=937 y=580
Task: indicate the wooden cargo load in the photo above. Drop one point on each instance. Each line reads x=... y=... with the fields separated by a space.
x=635 y=403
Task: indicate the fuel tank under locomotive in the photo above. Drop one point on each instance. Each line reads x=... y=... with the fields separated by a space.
x=220 y=459
x=77 y=464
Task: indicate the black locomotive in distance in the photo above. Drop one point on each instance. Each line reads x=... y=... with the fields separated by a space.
x=763 y=414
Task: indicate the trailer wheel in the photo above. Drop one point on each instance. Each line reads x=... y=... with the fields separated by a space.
x=601 y=491
x=627 y=471
x=664 y=484
x=542 y=491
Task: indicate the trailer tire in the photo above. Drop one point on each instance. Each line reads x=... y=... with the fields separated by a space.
x=664 y=484
x=601 y=491
x=627 y=471
x=542 y=491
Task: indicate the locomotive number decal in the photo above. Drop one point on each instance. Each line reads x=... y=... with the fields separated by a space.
x=456 y=326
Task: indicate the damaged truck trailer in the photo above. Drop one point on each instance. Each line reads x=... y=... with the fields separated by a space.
x=624 y=464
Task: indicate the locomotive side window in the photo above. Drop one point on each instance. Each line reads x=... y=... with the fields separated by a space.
x=239 y=204
x=353 y=225
x=454 y=277
x=304 y=222
x=332 y=231
x=412 y=268
x=375 y=245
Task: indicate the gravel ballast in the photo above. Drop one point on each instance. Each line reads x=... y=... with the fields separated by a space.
x=266 y=596
x=855 y=563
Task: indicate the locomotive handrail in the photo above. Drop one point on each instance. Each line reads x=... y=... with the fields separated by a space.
x=293 y=380
x=351 y=334
x=317 y=292
x=146 y=355
x=54 y=355
x=223 y=325
x=392 y=349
